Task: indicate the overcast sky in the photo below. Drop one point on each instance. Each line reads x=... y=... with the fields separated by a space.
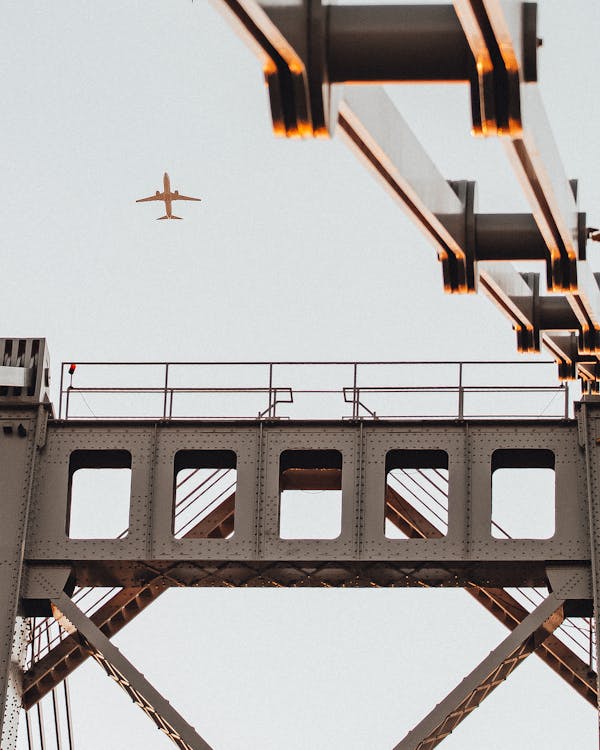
x=295 y=253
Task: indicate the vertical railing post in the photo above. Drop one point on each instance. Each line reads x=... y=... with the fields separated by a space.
x=591 y=645
x=566 y=387
x=166 y=387
x=271 y=410
x=461 y=392
x=60 y=395
x=355 y=393
x=68 y=715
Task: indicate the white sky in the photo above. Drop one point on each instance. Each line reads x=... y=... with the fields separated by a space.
x=295 y=252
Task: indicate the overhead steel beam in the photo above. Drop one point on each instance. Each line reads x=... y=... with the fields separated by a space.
x=396 y=43
x=290 y=40
x=379 y=135
x=500 y=34
x=133 y=682
x=492 y=671
x=306 y=45
x=473 y=248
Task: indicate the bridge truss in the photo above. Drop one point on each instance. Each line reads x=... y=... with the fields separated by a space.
x=308 y=50
x=206 y=508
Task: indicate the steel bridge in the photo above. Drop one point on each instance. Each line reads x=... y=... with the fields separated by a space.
x=414 y=490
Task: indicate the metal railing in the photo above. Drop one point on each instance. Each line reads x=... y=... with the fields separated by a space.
x=307 y=390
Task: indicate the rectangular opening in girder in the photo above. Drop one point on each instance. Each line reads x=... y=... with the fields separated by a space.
x=99 y=494
x=310 y=494
x=204 y=494
x=416 y=494
x=523 y=494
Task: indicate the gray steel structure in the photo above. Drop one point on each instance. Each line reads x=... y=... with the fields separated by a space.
x=307 y=49
x=42 y=565
x=310 y=48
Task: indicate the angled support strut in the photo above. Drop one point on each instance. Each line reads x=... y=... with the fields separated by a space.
x=152 y=703
x=493 y=670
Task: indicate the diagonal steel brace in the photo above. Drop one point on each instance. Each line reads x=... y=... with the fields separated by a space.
x=120 y=669
x=493 y=670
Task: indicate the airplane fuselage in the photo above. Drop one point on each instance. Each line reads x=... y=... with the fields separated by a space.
x=167 y=194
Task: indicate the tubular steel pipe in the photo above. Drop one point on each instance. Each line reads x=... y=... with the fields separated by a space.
x=508 y=237
x=555 y=314
x=368 y=43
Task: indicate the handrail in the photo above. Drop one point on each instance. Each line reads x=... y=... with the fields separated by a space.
x=362 y=396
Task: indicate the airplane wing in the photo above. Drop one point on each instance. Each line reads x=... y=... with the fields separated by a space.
x=159 y=197
x=184 y=198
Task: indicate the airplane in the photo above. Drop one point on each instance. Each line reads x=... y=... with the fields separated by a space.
x=167 y=196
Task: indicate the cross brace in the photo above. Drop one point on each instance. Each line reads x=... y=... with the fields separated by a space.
x=46 y=673
x=500 y=603
x=117 y=612
x=121 y=670
x=492 y=671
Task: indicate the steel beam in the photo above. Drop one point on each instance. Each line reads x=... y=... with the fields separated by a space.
x=21 y=437
x=589 y=431
x=470 y=245
x=468 y=549
x=306 y=46
x=46 y=673
x=500 y=603
x=54 y=667
x=396 y=43
x=133 y=682
x=500 y=34
x=473 y=248
x=286 y=37
x=49 y=671
x=379 y=135
x=492 y=671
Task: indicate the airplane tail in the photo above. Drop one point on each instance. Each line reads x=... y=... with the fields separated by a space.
x=160 y=218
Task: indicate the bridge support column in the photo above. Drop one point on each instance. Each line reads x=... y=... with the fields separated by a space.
x=589 y=435
x=21 y=435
